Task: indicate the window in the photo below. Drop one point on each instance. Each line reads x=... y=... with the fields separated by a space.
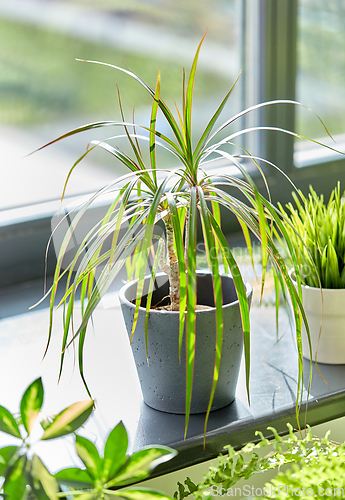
x=282 y=47
x=320 y=76
x=45 y=92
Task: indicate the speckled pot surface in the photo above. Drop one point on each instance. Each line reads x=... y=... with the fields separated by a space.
x=163 y=379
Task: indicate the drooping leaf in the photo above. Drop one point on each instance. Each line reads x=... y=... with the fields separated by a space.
x=242 y=298
x=147 y=241
x=69 y=420
x=155 y=102
x=181 y=264
x=191 y=238
x=31 y=404
x=217 y=293
x=151 y=289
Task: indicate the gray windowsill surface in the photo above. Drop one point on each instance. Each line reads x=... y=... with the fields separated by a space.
x=112 y=378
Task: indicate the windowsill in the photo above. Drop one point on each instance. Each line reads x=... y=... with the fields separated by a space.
x=112 y=378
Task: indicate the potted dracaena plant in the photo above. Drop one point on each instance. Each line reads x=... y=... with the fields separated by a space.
x=317 y=231
x=179 y=199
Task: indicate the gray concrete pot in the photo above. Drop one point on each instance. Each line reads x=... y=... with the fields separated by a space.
x=163 y=379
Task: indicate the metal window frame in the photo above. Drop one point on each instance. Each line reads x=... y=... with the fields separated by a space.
x=270 y=66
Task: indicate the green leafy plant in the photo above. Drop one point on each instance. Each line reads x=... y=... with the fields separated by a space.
x=179 y=198
x=26 y=477
x=317 y=232
x=314 y=466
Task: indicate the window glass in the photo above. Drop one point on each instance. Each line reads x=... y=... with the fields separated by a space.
x=44 y=91
x=321 y=67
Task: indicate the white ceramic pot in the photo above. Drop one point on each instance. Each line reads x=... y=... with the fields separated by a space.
x=326 y=324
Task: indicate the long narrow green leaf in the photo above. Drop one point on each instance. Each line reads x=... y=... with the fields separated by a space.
x=181 y=265
x=189 y=99
x=217 y=292
x=153 y=127
x=263 y=238
x=106 y=278
x=81 y=342
x=135 y=145
x=165 y=110
x=64 y=245
x=191 y=299
x=242 y=298
x=264 y=104
x=216 y=214
x=296 y=303
x=147 y=240
x=150 y=292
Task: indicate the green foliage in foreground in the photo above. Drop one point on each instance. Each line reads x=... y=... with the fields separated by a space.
x=26 y=477
x=317 y=232
x=317 y=468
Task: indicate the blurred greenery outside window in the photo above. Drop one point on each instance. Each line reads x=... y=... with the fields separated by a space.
x=45 y=92
x=320 y=81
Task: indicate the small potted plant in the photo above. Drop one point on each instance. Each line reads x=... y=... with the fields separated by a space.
x=317 y=231
x=181 y=199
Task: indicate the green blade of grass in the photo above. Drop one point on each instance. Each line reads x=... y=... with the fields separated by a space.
x=163 y=107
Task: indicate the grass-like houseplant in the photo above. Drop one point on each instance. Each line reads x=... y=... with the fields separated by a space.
x=180 y=199
x=317 y=231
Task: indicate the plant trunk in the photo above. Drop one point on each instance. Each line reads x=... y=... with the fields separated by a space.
x=171 y=266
